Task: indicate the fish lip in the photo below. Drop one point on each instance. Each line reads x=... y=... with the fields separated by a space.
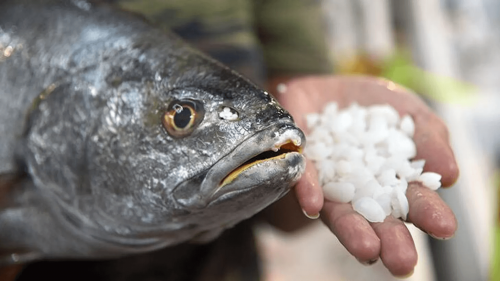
x=270 y=138
x=290 y=167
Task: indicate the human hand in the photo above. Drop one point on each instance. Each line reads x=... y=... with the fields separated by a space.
x=389 y=240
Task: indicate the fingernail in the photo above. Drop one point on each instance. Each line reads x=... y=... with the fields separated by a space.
x=313 y=217
x=367 y=263
x=407 y=275
x=440 y=238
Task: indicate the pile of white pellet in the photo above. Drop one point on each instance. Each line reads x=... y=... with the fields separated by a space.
x=363 y=154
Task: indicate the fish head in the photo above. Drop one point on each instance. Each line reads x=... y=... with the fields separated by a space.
x=216 y=148
x=232 y=149
x=162 y=143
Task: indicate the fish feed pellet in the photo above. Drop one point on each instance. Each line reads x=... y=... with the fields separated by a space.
x=364 y=156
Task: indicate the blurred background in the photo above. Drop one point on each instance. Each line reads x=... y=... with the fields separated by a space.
x=446 y=51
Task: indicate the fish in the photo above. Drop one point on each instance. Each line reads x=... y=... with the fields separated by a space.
x=118 y=138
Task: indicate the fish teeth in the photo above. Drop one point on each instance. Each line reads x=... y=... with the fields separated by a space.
x=296 y=142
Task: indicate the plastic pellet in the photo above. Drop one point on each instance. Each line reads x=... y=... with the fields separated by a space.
x=363 y=156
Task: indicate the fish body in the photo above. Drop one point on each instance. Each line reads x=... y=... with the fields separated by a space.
x=117 y=138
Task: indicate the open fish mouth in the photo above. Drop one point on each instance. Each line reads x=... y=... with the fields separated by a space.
x=278 y=151
x=271 y=153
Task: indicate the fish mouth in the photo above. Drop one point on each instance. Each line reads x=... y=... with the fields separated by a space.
x=278 y=151
x=266 y=154
x=270 y=158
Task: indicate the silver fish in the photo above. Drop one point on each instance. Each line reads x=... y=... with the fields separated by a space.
x=117 y=138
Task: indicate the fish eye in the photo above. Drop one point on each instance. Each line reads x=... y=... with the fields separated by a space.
x=182 y=117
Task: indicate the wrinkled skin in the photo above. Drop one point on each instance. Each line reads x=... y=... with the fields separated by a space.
x=93 y=171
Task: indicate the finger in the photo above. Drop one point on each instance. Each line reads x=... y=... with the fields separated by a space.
x=287 y=214
x=429 y=213
x=433 y=146
x=309 y=192
x=398 y=252
x=352 y=230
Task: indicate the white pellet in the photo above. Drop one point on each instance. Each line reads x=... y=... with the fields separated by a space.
x=384 y=200
x=339 y=191
x=399 y=203
x=414 y=176
x=352 y=154
x=374 y=164
x=341 y=122
x=403 y=185
x=358 y=126
x=343 y=167
x=363 y=156
x=321 y=136
x=394 y=163
x=379 y=191
x=348 y=138
x=318 y=151
x=378 y=130
x=387 y=177
x=405 y=170
x=368 y=189
x=358 y=174
x=431 y=180
x=418 y=164
x=407 y=125
x=327 y=171
x=388 y=189
x=370 y=209
x=385 y=111
x=400 y=144
x=312 y=120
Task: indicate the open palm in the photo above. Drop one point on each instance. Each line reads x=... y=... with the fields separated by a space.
x=389 y=240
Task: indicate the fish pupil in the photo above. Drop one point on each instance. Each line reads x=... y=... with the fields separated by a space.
x=182 y=118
